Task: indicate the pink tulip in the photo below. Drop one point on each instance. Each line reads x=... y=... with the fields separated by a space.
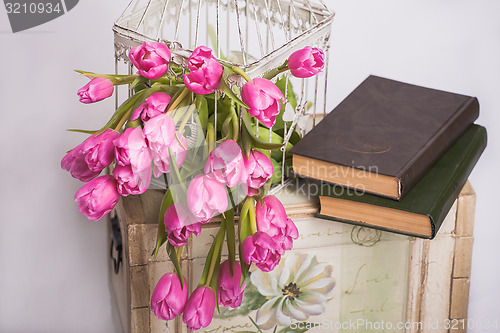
x=159 y=131
x=271 y=216
x=129 y=182
x=306 y=62
x=258 y=170
x=74 y=162
x=151 y=59
x=168 y=298
x=205 y=72
x=229 y=288
x=131 y=148
x=262 y=250
x=263 y=98
x=161 y=156
x=206 y=198
x=180 y=224
x=154 y=105
x=199 y=309
x=100 y=149
x=225 y=163
x=88 y=159
x=98 y=197
x=271 y=219
x=96 y=90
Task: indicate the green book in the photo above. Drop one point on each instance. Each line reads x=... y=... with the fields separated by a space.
x=422 y=211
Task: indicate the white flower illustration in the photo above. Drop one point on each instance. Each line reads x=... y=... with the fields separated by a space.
x=297 y=288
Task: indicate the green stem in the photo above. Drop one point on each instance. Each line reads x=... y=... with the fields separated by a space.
x=116 y=79
x=210 y=137
x=183 y=94
x=168 y=81
x=231 y=197
x=186 y=118
x=242 y=73
x=252 y=217
x=236 y=126
x=123 y=120
x=219 y=239
x=135 y=123
x=129 y=103
x=179 y=253
x=272 y=73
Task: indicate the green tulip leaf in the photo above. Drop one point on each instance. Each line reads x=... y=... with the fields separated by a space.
x=245 y=230
x=204 y=275
x=257 y=142
x=168 y=81
x=290 y=98
x=82 y=131
x=116 y=79
x=202 y=107
x=213 y=258
x=140 y=80
x=175 y=174
x=121 y=111
x=231 y=241
x=276 y=178
x=230 y=93
x=170 y=90
x=161 y=236
x=215 y=277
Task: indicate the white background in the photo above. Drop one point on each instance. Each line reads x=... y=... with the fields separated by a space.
x=53 y=269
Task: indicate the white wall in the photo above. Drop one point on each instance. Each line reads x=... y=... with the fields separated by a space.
x=53 y=272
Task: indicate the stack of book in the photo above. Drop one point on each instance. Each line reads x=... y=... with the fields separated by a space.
x=392 y=156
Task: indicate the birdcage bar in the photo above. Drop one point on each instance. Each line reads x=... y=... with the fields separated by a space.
x=302 y=22
x=136 y=33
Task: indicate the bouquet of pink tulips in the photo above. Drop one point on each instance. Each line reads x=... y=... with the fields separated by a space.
x=151 y=135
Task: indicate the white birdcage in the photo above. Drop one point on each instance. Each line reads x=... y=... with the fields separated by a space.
x=255 y=35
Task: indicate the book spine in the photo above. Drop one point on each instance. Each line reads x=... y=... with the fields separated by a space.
x=461 y=173
x=411 y=173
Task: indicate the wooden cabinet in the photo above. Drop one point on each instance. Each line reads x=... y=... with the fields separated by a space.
x=381 y=278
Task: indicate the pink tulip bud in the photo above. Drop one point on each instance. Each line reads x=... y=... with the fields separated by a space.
x=161 y=156
x=98 y=197
x=271 y=216
x=306 y=62
x=154 y=105
x=229 y=288
x=262 y=250
x=180 y=224
x=88 y=159
x=131 y=148
x=271 y=219
x=258 y=170
x=74 y=163
x=291 y=233
x=96 y=90
x=225 y=163
x=206 y=198
x=129 y=182
x=168 y=298
x=263 y=99
x=151 y=59
x=205 y=72
x=199 y=309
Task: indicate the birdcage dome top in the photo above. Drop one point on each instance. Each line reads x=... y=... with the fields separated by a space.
x=245 y=33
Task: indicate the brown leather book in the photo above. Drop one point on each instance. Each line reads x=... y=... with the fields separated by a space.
x=384 y=136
